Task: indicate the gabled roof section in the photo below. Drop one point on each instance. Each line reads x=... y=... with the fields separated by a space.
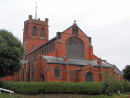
x=42 y=45
x=72 y=26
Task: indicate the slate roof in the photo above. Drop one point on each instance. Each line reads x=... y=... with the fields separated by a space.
x=105 y=64
x=23 y=61
x=51 y=59
x=55 y=60
x=117 y=71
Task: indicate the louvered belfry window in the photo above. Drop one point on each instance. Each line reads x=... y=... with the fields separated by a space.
x=42 y=32
x=34 y=31
x=75 y=48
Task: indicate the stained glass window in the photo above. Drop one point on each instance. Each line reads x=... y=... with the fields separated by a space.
x=71 y=74
x=67 y=50
x=56 y=72
x=75 y=48
x=72 y=50
x=42 y=50
x=32 y=67
x=45 y=50
x=53 y=46
x=49 y=47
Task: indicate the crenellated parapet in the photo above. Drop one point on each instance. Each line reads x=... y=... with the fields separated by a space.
x=34 y=21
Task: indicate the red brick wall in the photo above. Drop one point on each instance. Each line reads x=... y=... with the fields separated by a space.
x=60 y=51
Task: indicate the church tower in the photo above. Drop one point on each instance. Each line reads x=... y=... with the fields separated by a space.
x=35 y=33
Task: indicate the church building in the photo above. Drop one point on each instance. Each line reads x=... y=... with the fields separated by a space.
x=66 y=57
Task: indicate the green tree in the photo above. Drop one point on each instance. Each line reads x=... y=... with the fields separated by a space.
x=112 y=83
x=126 y=72
x=11 y=52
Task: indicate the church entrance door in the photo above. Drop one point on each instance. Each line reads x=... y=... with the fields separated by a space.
x=88 y=77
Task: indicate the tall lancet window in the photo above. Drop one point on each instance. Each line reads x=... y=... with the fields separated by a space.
x=57 y=71
x=42 y=32
x=74 y=48
x=34 y=31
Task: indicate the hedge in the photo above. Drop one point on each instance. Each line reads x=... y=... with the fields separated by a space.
x=27 y=88
x=31 y=88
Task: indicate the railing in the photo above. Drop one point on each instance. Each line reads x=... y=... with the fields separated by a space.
x=6 y=91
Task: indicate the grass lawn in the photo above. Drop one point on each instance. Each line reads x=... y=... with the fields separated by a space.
x=6 y=95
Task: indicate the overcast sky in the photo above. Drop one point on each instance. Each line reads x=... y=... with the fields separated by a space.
x=106 y=21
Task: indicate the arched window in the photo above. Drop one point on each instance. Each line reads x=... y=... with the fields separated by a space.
x=42 y=32
x=71 y=74
x=34 y=55
x=45 y=49
x=34 y=31
x=49 y=47
x=53 y=46
x=57 y=71
x=32 y=71
x=42 y=50
x=74 y=48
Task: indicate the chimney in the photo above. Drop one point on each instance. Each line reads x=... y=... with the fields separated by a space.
x=99 y=62
x=30 y=17
x=104 y=60
x=66 y=59
x=46 y=21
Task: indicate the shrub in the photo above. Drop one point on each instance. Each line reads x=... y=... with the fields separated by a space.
x=74 y=88
x=27 y=88
x=126 y=86
x=31 y=88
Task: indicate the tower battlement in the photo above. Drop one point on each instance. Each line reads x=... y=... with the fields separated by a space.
x=34 y=21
